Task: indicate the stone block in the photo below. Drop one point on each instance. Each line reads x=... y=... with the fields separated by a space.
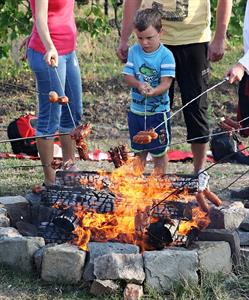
x=133 y=292
x=63 y=264
x=128 y=267
x=17 y=252
x=99 y=249
x=103 y=287
x=214 y=257
x=164 y=268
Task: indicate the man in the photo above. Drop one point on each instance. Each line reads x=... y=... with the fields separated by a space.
x=187 y=33
x=240 y=72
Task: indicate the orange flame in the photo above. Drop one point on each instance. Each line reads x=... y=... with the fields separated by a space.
x=135 y=194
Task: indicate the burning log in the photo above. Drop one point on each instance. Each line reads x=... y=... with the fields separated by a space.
x=159 y=235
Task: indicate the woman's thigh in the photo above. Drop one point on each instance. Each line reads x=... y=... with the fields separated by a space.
x=47 y=79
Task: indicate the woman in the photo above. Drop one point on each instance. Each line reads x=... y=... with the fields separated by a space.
x=52 y=58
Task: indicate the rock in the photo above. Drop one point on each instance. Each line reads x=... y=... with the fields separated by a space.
x=17 y=252
x=244 y=225
x=103 y=287
x=133 y=292
x=99 y=249
x=9 y=232
x=228 y=217
x=164 y=268
x=63 y=264
x=214 y=257
x=128 y=267
x=230 y=236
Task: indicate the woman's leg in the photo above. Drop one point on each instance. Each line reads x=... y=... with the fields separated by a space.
x=73 y=90
x=45 y=149
x=48 y=113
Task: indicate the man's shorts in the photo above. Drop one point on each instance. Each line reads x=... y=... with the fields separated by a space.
x=157 y=147
x=192 y=70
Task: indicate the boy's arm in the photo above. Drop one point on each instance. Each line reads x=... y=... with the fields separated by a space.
x=161 y=88
x=217 y=46
x=134 y=83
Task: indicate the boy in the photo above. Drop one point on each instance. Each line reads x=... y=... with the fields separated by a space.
x=149 y=71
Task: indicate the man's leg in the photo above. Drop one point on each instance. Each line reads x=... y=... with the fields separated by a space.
x=199 y=156
x=192 y=70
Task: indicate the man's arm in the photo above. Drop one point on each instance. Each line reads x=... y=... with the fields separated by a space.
x=217 y=46
x=129 y=11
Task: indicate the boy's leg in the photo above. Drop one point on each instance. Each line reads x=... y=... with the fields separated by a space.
x=160 y=164
x=142 y=158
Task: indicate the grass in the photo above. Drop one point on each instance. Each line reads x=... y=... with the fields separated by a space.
x=19 y=286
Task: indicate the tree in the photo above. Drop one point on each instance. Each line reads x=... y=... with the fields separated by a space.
x=16 y=20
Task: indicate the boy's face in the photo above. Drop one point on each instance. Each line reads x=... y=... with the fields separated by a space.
x=149 y=39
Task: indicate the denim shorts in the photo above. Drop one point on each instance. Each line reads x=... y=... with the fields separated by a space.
x=159 y=146
x=65 y=80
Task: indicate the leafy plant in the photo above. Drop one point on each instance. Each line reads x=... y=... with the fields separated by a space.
x=236 y=21
x=16 y=20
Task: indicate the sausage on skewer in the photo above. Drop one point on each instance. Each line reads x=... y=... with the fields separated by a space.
x=212 y=197
x=202 y=202
x=142 y=139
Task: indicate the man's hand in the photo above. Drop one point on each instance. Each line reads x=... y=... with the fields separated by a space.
x=122 y=51
x=216 y=50
x=236 y=73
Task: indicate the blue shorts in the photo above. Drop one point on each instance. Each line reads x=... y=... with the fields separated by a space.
x=53 y=117
x=157 y=147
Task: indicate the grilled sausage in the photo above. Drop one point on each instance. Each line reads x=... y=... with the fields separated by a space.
x=142 y=139
x=212 y=197
x=151 y=133
x=63 y=100
x=53 y=96
x=202 y=202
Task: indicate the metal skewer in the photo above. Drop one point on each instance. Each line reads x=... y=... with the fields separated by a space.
x=68 y=106
x=208 y=90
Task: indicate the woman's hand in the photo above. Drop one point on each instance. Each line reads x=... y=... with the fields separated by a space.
x=51 y=57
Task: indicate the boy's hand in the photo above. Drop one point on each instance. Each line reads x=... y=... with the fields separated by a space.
x=145 y=89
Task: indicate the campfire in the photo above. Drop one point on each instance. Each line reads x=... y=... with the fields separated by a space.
x=126 y=206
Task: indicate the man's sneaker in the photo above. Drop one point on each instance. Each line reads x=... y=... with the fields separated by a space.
x=203 y=179
x=240 y=193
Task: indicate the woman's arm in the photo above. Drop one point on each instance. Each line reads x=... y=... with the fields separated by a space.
x=41 y=16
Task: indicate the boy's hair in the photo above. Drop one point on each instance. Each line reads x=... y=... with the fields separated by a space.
x=146 y=18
